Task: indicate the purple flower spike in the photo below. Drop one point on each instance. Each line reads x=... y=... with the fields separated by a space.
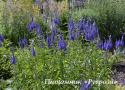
x=48 y=40
x=56 y=21
x=13 y=59
x=119 y=43
x=31 y=25
x=71 y=28
x=71 y=25
x=38 y=29
x=86 y=86
x=53 y=37
x=91 y=31
x=54 y=32
x=1 y=39
x=89 y=37
x=107 y=45
x=81 y=25
x=33 y=52
x=62 y=44
x=23 y=42
x=71 y=36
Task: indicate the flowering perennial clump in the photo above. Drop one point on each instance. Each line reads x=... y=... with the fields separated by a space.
x=71 y=25
x=87 y=28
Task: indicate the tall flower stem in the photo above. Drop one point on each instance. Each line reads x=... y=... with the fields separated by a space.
x=43 y=70
x=106 y=57
x=62 y=65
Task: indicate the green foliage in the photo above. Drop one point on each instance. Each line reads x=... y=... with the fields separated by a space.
x=63 y=27
x=14 y=24
x=76 y=63
x=15 y=19
x=83 y=13
x=5 y=67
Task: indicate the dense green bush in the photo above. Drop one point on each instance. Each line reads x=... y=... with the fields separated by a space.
x=76 y=63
